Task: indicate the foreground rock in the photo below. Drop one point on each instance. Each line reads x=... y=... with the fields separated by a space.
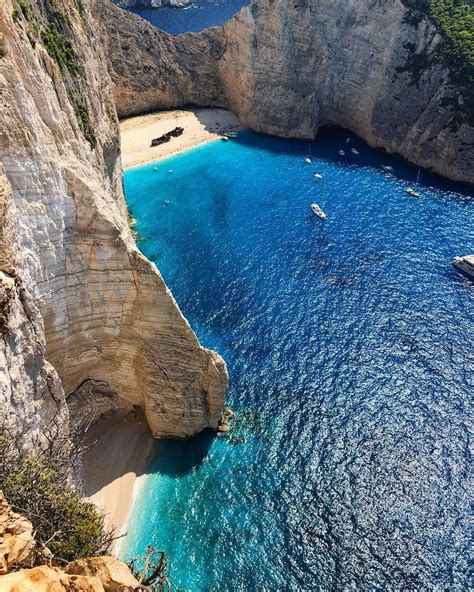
x=18 y=548
x=114 y=575
x=48 y=579
x=287 y=68
x=84 y=315
x=17 y=545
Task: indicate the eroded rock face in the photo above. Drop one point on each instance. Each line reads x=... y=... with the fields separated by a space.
x=97 y=312
x=114 y=575
x=17 y=545
x=287 y=68
x=18 y=549
x=48 y=579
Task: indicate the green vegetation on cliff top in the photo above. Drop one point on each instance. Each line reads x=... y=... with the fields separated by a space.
x=56 y=35
x=455 y=21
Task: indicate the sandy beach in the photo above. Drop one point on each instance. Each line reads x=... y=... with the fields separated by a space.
x=115 y=467
x=200 y=126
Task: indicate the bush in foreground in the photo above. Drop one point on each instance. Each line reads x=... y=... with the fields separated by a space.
x=40 y=484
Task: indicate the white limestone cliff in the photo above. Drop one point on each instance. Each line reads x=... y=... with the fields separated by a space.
x=288 y=67
x=85 y=316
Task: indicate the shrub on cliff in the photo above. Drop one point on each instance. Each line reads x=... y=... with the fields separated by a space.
x=39 y=484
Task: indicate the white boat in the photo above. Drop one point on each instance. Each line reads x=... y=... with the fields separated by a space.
x=342 y=153
x=465 y=265
x=166 y=202
x=318 y=175
x=354 y=151
x=387 y=168
x=318 y=211
x=348 y=140
x=155 y=168
x=412 y=192
x=224 y=138
x=307 y=159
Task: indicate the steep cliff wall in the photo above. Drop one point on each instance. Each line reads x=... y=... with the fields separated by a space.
x=102 y=315
x=289 y=67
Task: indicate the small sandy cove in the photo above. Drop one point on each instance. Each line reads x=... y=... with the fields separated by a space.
x=115 y=467
x=200 y=126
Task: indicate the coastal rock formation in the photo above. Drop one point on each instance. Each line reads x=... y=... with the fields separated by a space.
x=114 y=575
x=81 y=310
x=287 y=68
x=48 y=579
x=18 y=549
x=17 y=545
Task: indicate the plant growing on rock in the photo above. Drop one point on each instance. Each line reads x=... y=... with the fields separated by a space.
x=41 y=484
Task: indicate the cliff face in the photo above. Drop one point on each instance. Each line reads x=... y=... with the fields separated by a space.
x=288 y=68
x=82 y=311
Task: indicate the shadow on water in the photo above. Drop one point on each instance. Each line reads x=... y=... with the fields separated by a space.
x=330 y=140
x=177 y=458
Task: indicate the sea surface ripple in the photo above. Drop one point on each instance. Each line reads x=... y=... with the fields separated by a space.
x=350 y=349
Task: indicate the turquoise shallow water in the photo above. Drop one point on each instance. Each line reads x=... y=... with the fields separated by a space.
x=349 y=344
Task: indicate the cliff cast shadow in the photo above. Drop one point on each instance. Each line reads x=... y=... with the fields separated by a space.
x=177 y=458
x=330 y=141
x=120 y=445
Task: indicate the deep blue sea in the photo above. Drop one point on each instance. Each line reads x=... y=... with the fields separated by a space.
x=200 y=15
x=350 y=349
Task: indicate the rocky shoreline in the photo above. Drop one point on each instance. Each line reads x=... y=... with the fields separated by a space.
x=287 y=69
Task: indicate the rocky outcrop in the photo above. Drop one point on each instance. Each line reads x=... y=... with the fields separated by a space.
x=18 y=549
x=287 y=68
x=114 y=575
x=48 y=579
x=82 y=310
x=17 y=545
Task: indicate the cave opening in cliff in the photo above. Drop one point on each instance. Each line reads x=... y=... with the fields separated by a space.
x=183 y=16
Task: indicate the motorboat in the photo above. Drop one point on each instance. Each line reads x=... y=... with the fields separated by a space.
x=225 y=138
x=348 y=140
x=465 y=265
x=341 y=152
x=387 y=168
x=412 y=192
x=166 y=202
x=354 y=151
x=318 y=175
x=318 y=211
x=307 y=159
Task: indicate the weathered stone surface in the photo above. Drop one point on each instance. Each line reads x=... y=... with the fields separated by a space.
x=31 y=395
x=17 y=545
x=81 y=299
x=48 y=579
x=19 y=549
x=287 y=68
x=114 y=575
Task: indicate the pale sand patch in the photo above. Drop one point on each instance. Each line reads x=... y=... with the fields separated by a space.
x=115 y=468
x=200 y=126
